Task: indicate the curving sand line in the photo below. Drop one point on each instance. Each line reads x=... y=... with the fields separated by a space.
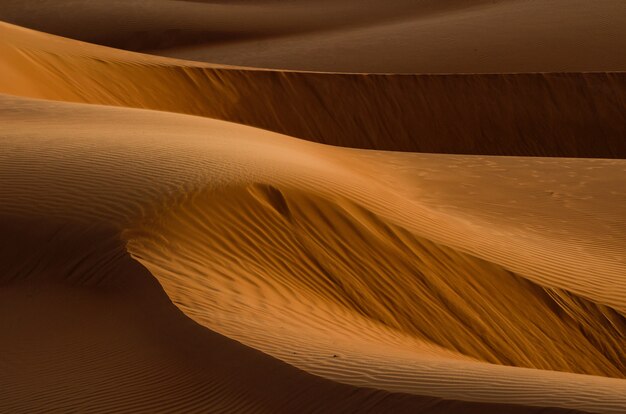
x=129 y=167
x=595 y=274
x=86 y=328
x=566 y=114
x=425 y=36
x=337 y=252
x=165 y=23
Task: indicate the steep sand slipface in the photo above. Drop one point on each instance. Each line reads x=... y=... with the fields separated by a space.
x=395 y=36
x=343 y=254
x=300 y=251
x=405 y=282
x=561 y=114
x=86 y=328
x=113 y=339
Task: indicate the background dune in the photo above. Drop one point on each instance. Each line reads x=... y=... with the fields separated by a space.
x=171 y=183
x=568 y=114
x=399 y=36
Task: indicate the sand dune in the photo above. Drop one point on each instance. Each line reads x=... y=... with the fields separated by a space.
x=226 y=216
x=115 y=341
x=566 y=114
x=242 y=231
x=398 y=36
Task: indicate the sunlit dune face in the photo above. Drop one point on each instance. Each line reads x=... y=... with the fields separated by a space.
x=330 y=206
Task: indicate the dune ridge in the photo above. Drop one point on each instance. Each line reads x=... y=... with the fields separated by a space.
x=396 y=36
x=441 y=228
x=540 y=114
x=116 y=342
x=128 y=166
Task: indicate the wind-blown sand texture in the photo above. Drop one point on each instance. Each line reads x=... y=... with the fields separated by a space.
x=555 y=114
x=166 y=248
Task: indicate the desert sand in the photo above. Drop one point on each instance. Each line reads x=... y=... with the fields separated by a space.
x=529 y=114
x=367 y=36
x=188 y=236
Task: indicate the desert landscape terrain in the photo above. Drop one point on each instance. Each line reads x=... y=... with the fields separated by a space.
x=313 y=206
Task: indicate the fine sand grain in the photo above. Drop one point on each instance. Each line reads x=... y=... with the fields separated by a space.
x=560 y=114
x=295 y=206
x=274 y=242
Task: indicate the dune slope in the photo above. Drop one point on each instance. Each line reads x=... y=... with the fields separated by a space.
x=310 y=253
x=399 y=36
x=560 y=114
x=420 y=239
x=115 y=342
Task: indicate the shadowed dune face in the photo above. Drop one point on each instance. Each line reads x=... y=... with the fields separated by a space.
x=441 y=229
x=295 y=249
x=161 y=24
x=114 y=340
x=567 y=114
x=299 y=250
x=398 y=36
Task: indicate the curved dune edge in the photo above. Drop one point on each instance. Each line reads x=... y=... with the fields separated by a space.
x=285 y=247
x=114 y=341
x=145 y=159
x=397 y=36
x=541 y=114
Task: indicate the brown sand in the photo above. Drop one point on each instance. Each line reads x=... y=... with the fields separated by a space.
x=161 y=262
x=566 y=114
x=393 y=36
x=297 y=250
x=114 y=341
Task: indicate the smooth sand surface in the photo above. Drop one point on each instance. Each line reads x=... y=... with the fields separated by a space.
x=296 y=249
x=187 y=236
x=398 y=36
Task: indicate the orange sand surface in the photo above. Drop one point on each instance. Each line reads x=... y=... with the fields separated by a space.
x=182 y=236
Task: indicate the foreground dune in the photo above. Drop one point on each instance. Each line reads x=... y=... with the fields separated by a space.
x=560 y=114
x=373 y=269
x=399 y=36
x=115 y=342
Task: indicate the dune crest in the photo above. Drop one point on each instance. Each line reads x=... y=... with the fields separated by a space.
x=273 y=206
x=182 y=191
x=395 y=36
x=529 y=114
x=115 y=342
x=285 y=243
